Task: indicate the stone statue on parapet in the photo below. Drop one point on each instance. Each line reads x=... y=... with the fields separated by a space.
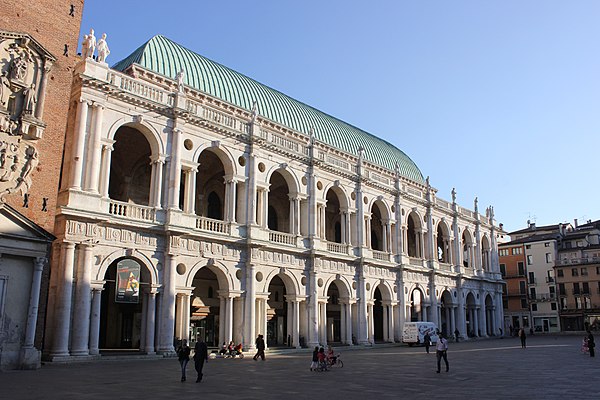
x=454 y=195
x=102 y=48
x=180 y=84
x=254 y=112
x=88 y=46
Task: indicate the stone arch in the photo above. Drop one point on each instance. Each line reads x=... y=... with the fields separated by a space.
x=289 y=280
x=467 y=248
x=471 y=314
x=446 y=302
x=485 y=253
x=225 y=279
x=417 y=299
x=335 y=225
x=150 y=132
x=414 y=235
x=378 y=235
x=223 y=153
x=387 y=291
x=443 y=241
x=342 y=283
x=283 y=185
x=213 y=168
x=340 y=191
x=290 y=178
x=127 y=253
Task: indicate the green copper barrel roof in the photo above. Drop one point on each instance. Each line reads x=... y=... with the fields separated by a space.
x=163 y=56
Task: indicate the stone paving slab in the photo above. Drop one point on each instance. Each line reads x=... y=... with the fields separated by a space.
x=551 y=367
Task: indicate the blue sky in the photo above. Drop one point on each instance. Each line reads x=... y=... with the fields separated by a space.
x=499 y=99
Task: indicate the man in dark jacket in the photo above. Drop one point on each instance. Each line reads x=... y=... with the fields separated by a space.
x=260 y=348
x=200 y=355
x=591 y=343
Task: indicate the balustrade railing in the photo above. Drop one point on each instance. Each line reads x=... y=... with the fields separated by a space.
x=131 y=211
x=415 y=261
x=282 y=238
x=138 y=88
x=336 y=248
x=381 y=255
x=212 y=225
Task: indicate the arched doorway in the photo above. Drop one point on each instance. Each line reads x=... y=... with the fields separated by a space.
x=413 y=236
x=121 y=305
x=277 y=314
x=333 y=226
x=489 y=316
x=205 y=308
x=416 y=304
x=130 y=169
x=278 y=218
x=446 y=314
x=443 y=243
x=471 y=316
x=210 y=186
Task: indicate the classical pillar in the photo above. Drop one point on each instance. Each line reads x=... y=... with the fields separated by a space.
x=230 y=199
x=189 y=205
x=228 y=319
x=39 y=111
x=81 y=313
x=362 y=312
x=62 y=319
x=95 y=320
x=349 y=323
x=424 y=312
x=167 y=315
x=150 y=322
x=391 y=323
x=156 y=178
x=94 y=152
x=313 y=310
x=370 y=323
x=107 y=149
x=175 y=169
x=385 y=322
x=452 y=320
x=296 y=324
x=34 y=300
x=250 y=307
x=79 y=147
x=222 y=327
x=323 y=327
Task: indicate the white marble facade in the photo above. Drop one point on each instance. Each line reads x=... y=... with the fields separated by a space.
x=244 y=227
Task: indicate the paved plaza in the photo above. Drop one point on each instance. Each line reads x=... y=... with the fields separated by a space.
x=551 y=367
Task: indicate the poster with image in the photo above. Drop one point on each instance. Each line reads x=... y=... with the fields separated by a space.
x=128 y=282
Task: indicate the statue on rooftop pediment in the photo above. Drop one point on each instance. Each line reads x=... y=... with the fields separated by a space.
x=180 y=81
x=102 y=48
x=88 y=46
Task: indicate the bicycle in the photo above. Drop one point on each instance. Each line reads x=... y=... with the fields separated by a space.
x=335 y=361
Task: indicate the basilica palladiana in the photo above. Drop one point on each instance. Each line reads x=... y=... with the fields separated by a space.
x=198 y=203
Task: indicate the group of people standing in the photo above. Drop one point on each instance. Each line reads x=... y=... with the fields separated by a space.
x=200 y=356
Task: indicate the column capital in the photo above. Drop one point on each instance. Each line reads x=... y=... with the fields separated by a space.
x=97 y=105
x=39 y=263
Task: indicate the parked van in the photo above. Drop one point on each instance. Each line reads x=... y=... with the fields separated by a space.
x=414 y=332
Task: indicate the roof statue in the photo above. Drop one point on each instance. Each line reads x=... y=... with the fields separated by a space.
x=102 y=49
x=454 y=195
x=88 y=46
x=254 y=112
x=180 y=84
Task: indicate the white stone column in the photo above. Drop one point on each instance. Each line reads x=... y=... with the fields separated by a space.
x=175 y=172
x=95 y=320
x=323 y=327
x=391 y=323
x=370 y=323
x=81 y=313
x=167 y=315
x=79 y=145
x=156 y=181
x=250 y=307
x=39 y=111
x=107 y=149
x=94 y=152
x=229 y=319
x=452 y=320
x=62 y=322
x=150 y=321
x=179 y=313
x=349 y=323
x=313 y=310
x=296 y=324
x=222 y=321
x=424 y=312
x=34 y=300
x=264 y=307
x=189 y=205
x=385 y=322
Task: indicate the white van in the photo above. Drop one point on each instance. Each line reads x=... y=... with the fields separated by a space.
x=414 y=332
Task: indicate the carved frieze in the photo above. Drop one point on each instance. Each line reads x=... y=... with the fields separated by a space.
x=76 y=230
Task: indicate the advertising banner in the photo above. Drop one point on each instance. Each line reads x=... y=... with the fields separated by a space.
x=128 y=282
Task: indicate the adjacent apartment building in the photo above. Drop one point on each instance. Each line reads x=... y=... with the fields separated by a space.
x=578 y=278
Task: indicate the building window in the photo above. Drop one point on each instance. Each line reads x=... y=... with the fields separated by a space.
x=529 y=259
x=597 y=270
x=503 y=269
x=587 y=303
x=534 y=307
x=522 y=287
x=576 y=288
x=528 y=246
x=563 y=303
x=531 y=278
x=532 y=293
x=578 y=303
x=548 y=258
x=585 y=288
x=503 y=252
x=523 y=303
x=561 y=289
x=584 y=272
x=560 y=273
x=521 y=268
x=574 y=272
x=516 y=251
x=553 y=306
x=546 y=244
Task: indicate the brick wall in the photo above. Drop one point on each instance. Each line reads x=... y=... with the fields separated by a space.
x=48 y=22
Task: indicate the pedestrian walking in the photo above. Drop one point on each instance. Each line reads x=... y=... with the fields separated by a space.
x=427 y=341
x=183 y=355
x=591 y=343
x=200 y=355
x=260 y=348
x=441 y=351
x=523 y=337
x=314 y=365
x=456 y=335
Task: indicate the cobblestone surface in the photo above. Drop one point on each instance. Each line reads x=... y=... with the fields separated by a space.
x=550 y=368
